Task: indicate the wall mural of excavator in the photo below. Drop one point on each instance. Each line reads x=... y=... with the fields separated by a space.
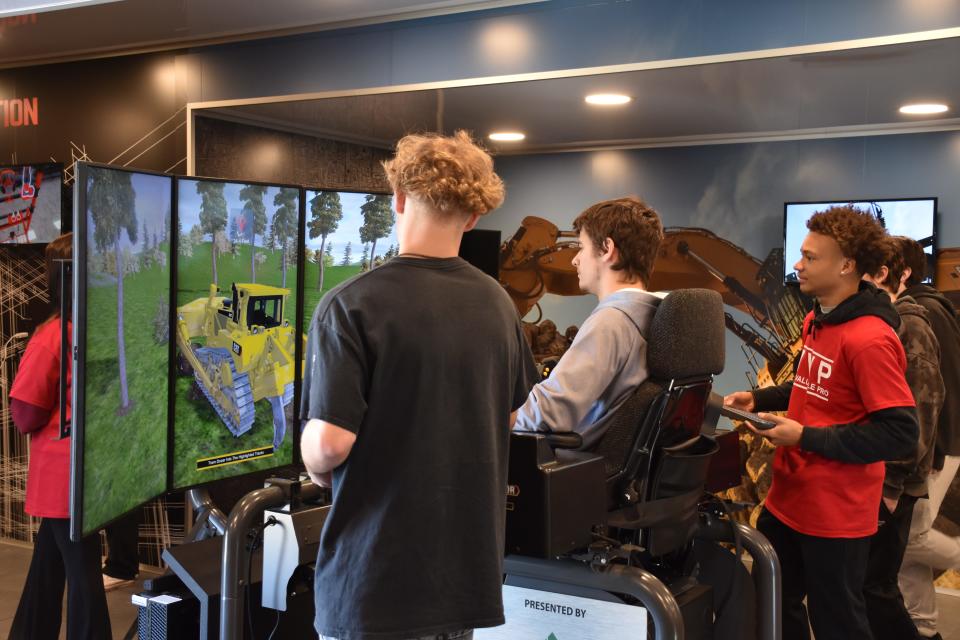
x=536 y=261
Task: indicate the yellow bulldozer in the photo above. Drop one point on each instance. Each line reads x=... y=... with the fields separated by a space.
x=245 y=353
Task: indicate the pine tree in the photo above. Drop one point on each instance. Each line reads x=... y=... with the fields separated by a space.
x=325 y=215
x=255 y=220
x=347 y=255
x=364 y=260
x=213 y=216
x=284 y=225
x=112 y=203
x=234 y=230
x=378 y=220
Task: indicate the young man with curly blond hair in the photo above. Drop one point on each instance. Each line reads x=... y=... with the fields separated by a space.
x=607 y=360
x=848 y=410
x=414 y=373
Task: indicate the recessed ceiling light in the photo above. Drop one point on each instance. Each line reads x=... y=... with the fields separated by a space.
x=607 y=99
x=923 y=109
x=507 y=136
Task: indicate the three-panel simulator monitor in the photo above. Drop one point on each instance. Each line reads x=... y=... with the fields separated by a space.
x=192 y=301
x=192 y=298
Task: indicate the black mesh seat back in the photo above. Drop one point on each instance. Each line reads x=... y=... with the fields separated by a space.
x=617 y=442
x=686 y=336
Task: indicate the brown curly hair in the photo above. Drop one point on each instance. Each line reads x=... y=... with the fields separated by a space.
x=892 y=259
x=452 y=173
x=635 y=229
x=858 y=233
x=913 y=257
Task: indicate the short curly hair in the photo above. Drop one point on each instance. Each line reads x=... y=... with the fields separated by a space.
x=858 y=233
x=451 y=173
x=913 y=257
x=635 y=229
x=892 y=259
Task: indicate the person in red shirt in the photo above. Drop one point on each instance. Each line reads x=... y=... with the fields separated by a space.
x=34 y=405
x=848 y=410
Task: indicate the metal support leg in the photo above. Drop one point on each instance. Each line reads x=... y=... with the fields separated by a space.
x=248 y=511
x=765 y=573
x=210 y=520
x=644 y=586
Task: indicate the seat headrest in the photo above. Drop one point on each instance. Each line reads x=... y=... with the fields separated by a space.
x=687 y=335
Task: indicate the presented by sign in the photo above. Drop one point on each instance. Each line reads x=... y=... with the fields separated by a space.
x=541 y=615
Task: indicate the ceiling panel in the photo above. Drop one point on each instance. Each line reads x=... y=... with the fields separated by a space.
x=854 y=89
x=140 y=25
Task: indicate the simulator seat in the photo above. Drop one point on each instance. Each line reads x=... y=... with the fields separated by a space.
x=632 y=507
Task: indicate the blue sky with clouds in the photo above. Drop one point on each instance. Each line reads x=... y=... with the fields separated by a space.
x=152 y=203
x=349 y=228
x=189 y=204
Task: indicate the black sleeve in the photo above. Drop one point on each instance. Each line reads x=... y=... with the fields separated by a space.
x=335 y=378
x=888 y=434
x=772 y=398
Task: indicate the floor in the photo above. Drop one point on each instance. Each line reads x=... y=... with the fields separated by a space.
x=15 y=560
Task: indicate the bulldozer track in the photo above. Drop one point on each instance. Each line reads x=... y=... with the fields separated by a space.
x=240 y=393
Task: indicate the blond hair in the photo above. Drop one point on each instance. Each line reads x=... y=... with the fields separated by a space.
x=451 y=173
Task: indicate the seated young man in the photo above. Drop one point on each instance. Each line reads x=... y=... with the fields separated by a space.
x=608 y=358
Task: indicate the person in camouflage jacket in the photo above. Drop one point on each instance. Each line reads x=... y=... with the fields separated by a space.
x=929 y=548
x=905 y=480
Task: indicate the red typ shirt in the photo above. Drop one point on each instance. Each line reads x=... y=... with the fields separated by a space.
x=38 y=383
x=846 y=372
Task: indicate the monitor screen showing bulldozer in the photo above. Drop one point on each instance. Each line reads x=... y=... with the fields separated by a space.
x=122 y=330
x=914 y=218
x=347 y=233
x=236 y=293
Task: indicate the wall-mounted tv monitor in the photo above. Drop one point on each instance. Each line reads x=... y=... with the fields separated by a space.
x=481 y=248
x=347 y=233
x=30 y=203
x=911 y=217
x=121 y=332
x=238 y=334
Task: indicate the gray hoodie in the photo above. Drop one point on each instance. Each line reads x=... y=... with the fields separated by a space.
x=606 y=361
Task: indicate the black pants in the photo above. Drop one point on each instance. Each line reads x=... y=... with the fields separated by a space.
x=123 y=559
x=57 y=560
x=885 y=609
x=829 y=572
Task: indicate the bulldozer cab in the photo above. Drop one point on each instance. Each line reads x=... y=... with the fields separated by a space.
x=256 y=305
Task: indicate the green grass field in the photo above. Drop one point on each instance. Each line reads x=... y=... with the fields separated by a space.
x=198 y=431
x=332 y=277
x=124 y=456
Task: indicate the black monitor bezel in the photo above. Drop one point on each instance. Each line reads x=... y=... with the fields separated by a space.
x=78 y=391
x=298 y=345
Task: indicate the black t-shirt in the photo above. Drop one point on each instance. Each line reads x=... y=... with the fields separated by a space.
x=424 y=359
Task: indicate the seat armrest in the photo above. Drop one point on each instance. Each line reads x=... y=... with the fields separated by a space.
x=565 y=440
